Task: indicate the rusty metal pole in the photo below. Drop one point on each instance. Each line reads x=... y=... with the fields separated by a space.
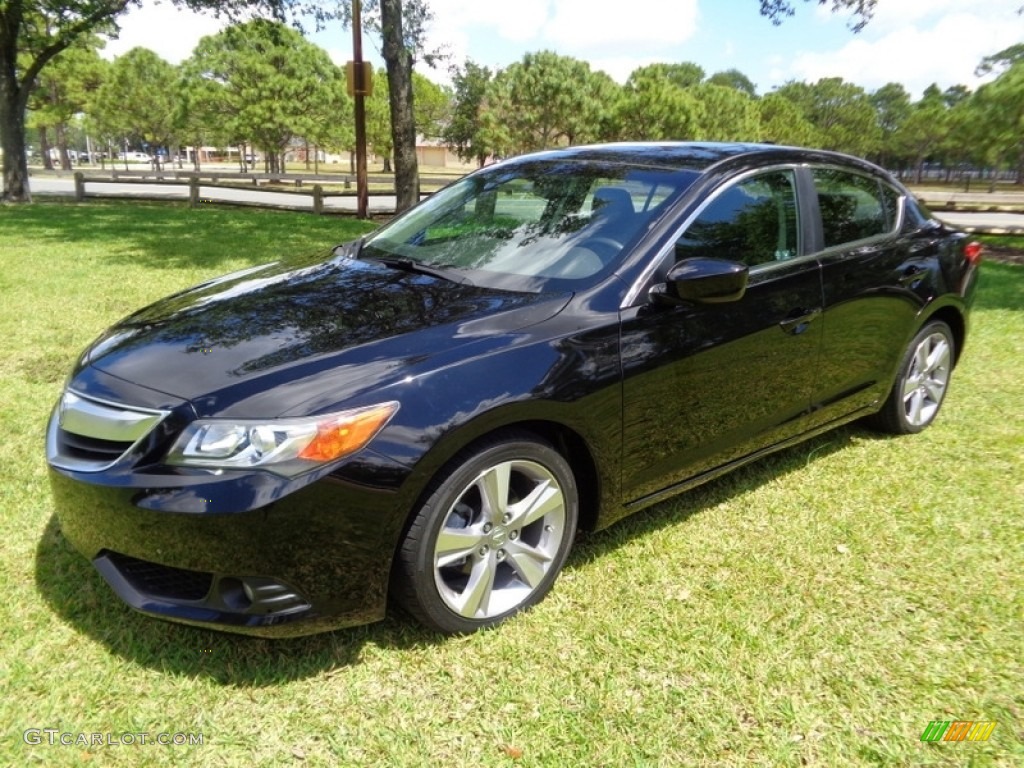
x=362 y=189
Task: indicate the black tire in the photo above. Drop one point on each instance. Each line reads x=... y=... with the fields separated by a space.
x=502 y=556
x=921 y=384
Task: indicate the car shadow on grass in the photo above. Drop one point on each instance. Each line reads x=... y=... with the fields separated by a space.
x=81 y=598
x=593 y=546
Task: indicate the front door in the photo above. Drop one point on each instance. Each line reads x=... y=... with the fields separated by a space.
x=707 y=384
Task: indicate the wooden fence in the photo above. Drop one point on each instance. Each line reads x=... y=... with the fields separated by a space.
x=247 y=181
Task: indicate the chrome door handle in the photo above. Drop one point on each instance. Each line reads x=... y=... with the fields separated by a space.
x=798 y=320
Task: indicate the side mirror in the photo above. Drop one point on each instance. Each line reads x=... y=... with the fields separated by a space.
x=703 y=281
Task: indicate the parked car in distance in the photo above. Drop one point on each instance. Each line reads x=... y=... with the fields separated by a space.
x=546 y=345
x=134 y=157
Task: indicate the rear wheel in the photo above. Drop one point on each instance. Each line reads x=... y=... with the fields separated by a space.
x=491 y=538
x=921 y=384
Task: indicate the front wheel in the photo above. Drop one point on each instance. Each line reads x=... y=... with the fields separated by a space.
x=921 y=384
x=491 y=537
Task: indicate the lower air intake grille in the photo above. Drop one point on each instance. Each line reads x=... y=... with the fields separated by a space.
x=162 y=580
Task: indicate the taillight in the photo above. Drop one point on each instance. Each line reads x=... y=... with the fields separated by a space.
x=972 y=252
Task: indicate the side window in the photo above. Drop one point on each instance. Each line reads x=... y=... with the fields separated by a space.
x=852 y=207
x=753 y=222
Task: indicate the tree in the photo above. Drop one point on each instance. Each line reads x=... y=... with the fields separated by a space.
x=682 y=75
x=136 y=100
x=1000 y=108
x=332 y=120
x=63 y=90
x=781 y=122
x=1003 y=60
x=841 y=112
x=401 y=25
x=32 y=33
x=926 y=128
x=861 y=10
x=464 y=133
x=967 y=142
x=543 y=101
x=892 y=109
x=653 y=106
x=273 y=85
x=726 y=114
x=378 y=122
x=199 y=116
x=955 y=94
x=431 y=106
x=733 y=78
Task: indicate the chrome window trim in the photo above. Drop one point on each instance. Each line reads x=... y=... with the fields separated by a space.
x=634 y=291
x=901 y=196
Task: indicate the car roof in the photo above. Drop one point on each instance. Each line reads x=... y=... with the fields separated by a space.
x=696 y=156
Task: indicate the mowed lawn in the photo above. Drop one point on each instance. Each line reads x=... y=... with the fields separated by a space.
x=818 y=608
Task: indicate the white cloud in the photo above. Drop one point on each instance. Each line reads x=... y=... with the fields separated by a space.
x=571 y=27
x=588 y=25
x=520 y=22
x=170 y=32
x=923 y=42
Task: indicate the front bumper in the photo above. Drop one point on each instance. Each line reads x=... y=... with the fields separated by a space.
x=312 y=559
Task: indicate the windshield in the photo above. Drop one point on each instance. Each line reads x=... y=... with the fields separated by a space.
x=532 y=225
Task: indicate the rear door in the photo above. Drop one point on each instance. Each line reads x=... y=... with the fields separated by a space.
x=706 y=384
x=874 y=282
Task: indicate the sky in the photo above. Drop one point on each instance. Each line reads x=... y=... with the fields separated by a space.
x=912 y=42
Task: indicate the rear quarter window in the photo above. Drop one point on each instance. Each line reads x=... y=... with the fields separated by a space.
x=853 y=207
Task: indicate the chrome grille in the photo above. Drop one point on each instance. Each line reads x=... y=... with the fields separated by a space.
x=91 y=448
x=90 y=435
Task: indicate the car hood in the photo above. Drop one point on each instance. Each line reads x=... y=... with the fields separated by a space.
x=265 y=341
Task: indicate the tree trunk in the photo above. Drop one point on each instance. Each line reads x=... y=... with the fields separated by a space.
x=398 y=60
x=12 y=136
x=62 y=146
x=44 y=148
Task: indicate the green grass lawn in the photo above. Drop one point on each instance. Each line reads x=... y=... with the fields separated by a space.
x=818 y=608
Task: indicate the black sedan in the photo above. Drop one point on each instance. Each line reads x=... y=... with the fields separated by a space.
x=546 y=345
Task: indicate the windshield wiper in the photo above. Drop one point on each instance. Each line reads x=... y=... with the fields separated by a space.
x=418 y=267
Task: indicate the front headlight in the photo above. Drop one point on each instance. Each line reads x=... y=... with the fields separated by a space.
x=284 y=446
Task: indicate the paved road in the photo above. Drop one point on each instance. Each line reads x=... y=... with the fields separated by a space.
x=379 y=204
